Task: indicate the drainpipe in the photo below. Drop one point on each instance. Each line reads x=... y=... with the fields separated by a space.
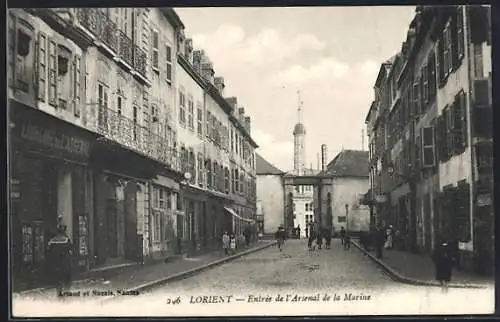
x=150 y=217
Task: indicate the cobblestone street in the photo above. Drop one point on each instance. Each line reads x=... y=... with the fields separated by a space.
x=294 y=271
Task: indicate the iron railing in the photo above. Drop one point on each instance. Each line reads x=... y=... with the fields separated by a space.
x=105 y=30
x=120 y=129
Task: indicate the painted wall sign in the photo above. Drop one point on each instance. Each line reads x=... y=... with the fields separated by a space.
x=54 y=139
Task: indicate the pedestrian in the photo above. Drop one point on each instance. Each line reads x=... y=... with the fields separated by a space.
x=443 y=262
x=298 y=231
x=342 y=235
x=225 y=242
x=307 y=231
x=389 y=237
x=60 y=254
x=328 y=238
x=232 y=243
x=347 y=241
x=379 y=239
x=311 y=238
x=247 y=233
x=280 y=236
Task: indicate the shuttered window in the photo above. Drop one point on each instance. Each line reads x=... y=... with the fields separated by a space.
x=168 y=53
x=201 y=169
x=42 y=66
x=448 y=50
x=460 y=32
x=52 y=73
x=460 y=124
x=78 y=83
x=450 y=125
x=440 y=61
x=415 y=99
x=425 y=86
x=428 y=151
x=209 y=128
x=155 y=50
x=432 y=76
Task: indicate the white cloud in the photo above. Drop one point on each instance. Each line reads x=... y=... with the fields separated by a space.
x=229 y=45
x=326 y=69
x=279 y=153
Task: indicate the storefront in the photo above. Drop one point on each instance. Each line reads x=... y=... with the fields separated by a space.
x=49 y=178
x=121 y=178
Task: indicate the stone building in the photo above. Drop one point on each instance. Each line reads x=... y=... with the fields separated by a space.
x=270 y=196
x=430 y=161
x=97 y=137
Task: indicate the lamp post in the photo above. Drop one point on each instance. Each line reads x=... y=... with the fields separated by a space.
x=347 y=217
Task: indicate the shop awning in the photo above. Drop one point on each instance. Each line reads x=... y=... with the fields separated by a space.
x=234 y=214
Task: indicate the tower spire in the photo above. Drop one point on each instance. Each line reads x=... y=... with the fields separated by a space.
x=300 y=106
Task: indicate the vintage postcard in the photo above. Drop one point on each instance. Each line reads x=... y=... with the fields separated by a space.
x=250 y=161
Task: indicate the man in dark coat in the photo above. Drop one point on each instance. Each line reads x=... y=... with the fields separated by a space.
x=443 y=259
x=379 y=239
x=60 y=253
x=342 y=235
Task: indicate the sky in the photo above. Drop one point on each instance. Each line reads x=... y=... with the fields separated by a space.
x=332 y=55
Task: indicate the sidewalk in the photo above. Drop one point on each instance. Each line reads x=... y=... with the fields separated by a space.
x=141 y=278
x=419 y=269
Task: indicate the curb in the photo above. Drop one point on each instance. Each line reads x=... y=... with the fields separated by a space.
x=190 y=272
x=407 y=280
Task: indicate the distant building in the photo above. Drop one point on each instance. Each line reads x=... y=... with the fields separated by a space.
x=349 y=174
x=270 y=196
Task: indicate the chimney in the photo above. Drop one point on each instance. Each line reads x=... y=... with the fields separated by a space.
x=247 y=123
x=197 y=57
x=219 y=83
x=233 y=101
x=323 y=157
x=188 y=50
x=207 y=70
x=241 y=114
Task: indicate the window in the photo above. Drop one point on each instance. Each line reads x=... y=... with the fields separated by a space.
x=102 y=99
x=119 y=105
x=77 y=68
x=460 y=124
x=208 y=171
x=431 y=74
x=192 y=166
x=182 y=108
x=65 y=88
x=42 y=66
x=307 y=206
x=214 y=175
x=24 y=56
x=168 y=52
x=425 y=86
x=191 y=113
x=236 y=180
x=52 y=73
x=155 y=55
x=157 y=226
x=209 y=128
x=232 y=139
x=200 y=169
x=200 y=119
x=459 y=40
x=448 y=50
x=242 y=183
x=134 y=119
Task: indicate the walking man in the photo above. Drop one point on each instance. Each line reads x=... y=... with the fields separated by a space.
x=225 y=243
x=342 y=235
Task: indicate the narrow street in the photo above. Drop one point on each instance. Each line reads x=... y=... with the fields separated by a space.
x=250 y=284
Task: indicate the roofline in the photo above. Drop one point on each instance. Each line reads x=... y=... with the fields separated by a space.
x=269 y=173
x=210 y=89
x=370 y=111
x=172 y=17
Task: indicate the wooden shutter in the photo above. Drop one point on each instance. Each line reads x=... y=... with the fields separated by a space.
x=168 y=53
x=41 y=59
x=441 y=138
x=450 y=133
x=460 y=32
x=432 y=75
x=78 y=76
x=460 y=123
x=52 y=65
x=439 y=61
x=428 y=155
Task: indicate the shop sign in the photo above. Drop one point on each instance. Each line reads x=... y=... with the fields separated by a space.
x=54 y=139
x=381 y=198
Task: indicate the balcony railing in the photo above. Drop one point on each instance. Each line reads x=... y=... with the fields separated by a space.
x=105 y=30
x=125 y=48
x=131 y=135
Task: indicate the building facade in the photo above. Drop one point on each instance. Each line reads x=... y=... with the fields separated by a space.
x=109 y=133
x=425 y=144
x=347 y=178
x=270 y=196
